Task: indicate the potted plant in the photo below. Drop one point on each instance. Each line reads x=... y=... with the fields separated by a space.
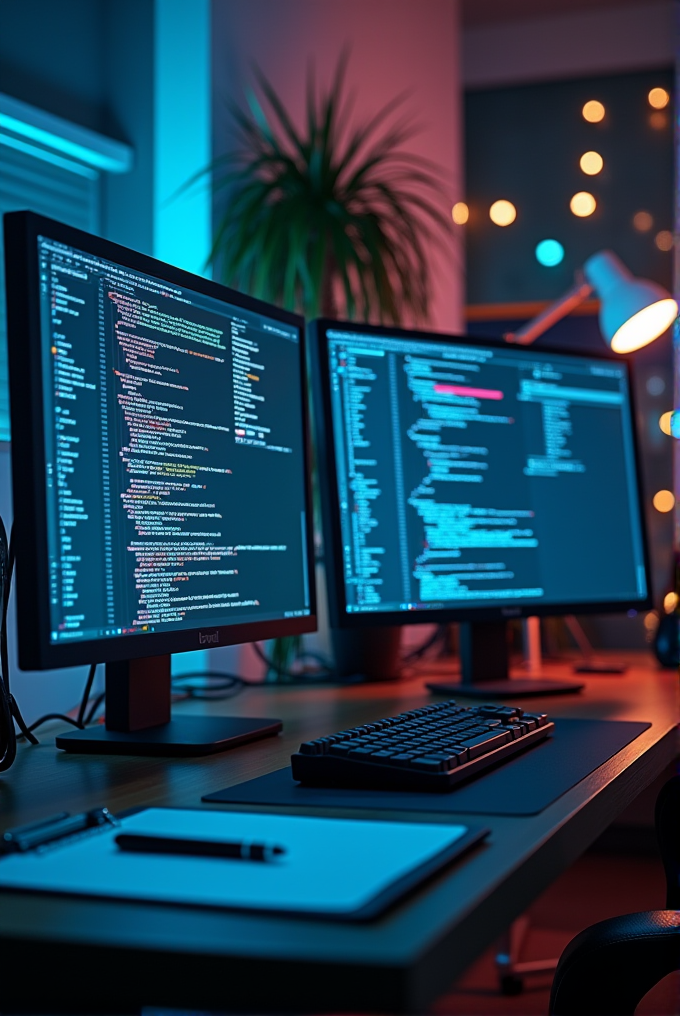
x=334 y=218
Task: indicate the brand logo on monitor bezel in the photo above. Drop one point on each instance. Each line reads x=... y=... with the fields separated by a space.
x=208 y=638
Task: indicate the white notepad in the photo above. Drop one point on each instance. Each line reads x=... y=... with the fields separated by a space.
x=331 y=867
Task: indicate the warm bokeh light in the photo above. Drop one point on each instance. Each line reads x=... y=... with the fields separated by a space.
x=593 y=111
x=460 y=213
x=670 y=602
x=549 y=253
x=664 y=500
x=658 y=120
x=658 y=98
x=502 y=212
x=591 y=163
x=645 y=326
x=665 y=422
x=643 y=222
x=664 y=240
x=651 y=621
x=583 y=204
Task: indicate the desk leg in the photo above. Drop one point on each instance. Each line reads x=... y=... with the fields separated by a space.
x=508 y=965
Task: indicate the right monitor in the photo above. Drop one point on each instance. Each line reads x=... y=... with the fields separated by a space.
x=467 y=479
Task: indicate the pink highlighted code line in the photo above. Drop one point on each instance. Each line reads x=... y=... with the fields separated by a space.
x=475 y=393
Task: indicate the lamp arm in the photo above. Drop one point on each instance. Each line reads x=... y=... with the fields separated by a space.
x=553 y=313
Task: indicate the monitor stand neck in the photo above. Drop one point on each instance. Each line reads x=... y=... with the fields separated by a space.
x=138 y=719
x=138 y=693
x=485 y=667
x=483 y=649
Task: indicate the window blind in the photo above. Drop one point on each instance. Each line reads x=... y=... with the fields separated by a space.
x=58 y=188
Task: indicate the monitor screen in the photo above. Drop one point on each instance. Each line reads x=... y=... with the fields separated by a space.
x=469 y=478
x=171 y=508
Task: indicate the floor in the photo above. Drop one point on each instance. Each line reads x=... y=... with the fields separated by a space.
x=596 y=887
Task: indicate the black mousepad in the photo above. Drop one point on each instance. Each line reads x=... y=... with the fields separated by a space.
x=525 y=785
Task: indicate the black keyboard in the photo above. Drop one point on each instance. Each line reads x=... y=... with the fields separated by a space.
x=434 y=748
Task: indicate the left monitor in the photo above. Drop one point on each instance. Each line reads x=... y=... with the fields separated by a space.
x=160 y=476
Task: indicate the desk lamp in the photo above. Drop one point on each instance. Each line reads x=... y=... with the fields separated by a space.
x=633 y=312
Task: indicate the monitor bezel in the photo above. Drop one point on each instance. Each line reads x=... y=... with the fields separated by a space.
x=328 y=490
x=36 y=651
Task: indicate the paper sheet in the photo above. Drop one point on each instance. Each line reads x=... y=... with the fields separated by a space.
x=331 y=866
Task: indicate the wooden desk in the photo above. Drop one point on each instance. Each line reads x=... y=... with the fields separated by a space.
x=95 y=956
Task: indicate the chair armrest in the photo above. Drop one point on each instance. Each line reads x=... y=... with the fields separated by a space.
x=609 y=967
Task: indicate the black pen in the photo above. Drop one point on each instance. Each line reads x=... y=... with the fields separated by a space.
x=242 y=850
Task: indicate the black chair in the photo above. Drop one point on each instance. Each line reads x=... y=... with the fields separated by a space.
x=609 y=967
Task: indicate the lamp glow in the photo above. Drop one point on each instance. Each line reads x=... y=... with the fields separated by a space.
x=645 y=326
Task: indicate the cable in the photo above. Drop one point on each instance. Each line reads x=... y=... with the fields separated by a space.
x=93 y=708
x=80 y=722
x=8 y=739
x=416 y=654
x=46 y=718
x=221 y=684
x=302 y=678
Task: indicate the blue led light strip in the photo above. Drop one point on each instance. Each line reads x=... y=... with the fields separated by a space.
x=61 y=136
x=48 y=156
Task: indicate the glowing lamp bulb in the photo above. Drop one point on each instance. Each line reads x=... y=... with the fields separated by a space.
x=645 y=326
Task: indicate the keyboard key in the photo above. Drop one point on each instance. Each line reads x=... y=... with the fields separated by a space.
x=448 y=760
x=540 y=718
x=311 y=748
x=432 y=765
x=483 y=743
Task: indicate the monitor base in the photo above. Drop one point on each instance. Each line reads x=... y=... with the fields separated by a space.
x=509 y=689
x=187 y=736
x=599 y=668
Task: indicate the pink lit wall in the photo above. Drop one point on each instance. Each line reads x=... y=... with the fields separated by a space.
x=396 y=45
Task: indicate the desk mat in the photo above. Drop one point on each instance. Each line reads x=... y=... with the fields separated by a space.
x=525 y=785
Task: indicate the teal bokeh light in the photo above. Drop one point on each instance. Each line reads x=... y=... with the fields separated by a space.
x=549 y=253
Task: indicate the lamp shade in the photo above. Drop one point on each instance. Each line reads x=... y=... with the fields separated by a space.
x=633 y=312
